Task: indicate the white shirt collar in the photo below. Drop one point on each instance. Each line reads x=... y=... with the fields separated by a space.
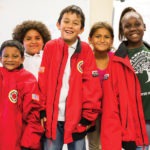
x=35 y=55
x=74 y=45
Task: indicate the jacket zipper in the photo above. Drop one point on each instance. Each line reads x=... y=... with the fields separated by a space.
x=56 y=88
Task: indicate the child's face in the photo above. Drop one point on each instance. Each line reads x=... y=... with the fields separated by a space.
x=33 y=42
x=70 y=27
x=101 y=40
x=11 y=58
x=133 y=28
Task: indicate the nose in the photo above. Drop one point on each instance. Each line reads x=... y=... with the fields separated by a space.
x=102 y=39
x=133 y=27
x=70 y=25
x=33 y=41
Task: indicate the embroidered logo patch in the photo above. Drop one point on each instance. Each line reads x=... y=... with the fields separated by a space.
x=41 y=69
x=35 y=97
x=13 y=96
x=95 y=73
x=79 y=66
x=106 y=76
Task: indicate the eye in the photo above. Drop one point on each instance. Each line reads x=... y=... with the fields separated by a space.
x=16 y=56
x=66 y=21
x=107 y=37
x=5 y=56
x=76 y=23
x=38 y=38
x=28 y=39
x=128 y=26
x=97 y=36
x=137 y=24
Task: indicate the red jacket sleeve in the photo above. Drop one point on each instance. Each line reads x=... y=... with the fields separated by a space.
x=43 y=77
x=31 y=118
x=92 y=92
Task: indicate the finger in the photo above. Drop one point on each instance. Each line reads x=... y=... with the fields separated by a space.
x=42 y=122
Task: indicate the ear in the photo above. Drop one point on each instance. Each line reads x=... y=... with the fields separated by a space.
x=89 y=39
x=22 y=59
x=144 y=27
x=58 y=25
x=112 y=42
x=81 y=30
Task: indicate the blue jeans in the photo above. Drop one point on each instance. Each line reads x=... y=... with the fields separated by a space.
x=59 y=142
x=148 y=132
x=142 y=148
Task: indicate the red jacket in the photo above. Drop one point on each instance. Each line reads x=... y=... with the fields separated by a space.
x=122 y=111
x=83 y=100
x=19 y=119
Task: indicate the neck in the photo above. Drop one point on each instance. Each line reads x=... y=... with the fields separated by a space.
x=100 y=54
x=102 y=59
x=134 y=45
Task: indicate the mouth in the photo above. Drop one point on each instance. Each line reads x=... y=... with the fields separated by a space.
x=69 y=32
x=101 y=44
x=134 y=35
x=9 y=64
x=33 y=47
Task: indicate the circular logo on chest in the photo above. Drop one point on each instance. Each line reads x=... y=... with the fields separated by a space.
x=79 y=66
x=13 y=96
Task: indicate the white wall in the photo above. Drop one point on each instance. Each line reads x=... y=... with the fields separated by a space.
x=101 y=10
x=13 y=12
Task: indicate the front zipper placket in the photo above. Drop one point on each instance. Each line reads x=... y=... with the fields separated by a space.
x=74 y=56
x=56 y=87
x=138 y=111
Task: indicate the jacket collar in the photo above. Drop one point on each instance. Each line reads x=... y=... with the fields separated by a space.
x=123 y=50
x=78 y=47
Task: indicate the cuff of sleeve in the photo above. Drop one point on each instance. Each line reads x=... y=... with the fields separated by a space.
x=85 y=122
x=23 y=148
x=42 y=113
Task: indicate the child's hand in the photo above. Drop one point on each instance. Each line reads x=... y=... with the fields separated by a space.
x=43 y=121
x=88 y=127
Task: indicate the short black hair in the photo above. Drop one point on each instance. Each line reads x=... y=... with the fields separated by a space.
x=73 y=9
x=12 y=43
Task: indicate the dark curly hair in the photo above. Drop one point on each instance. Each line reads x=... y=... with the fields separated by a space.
x=20 y=30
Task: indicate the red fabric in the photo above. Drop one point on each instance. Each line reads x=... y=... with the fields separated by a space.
x=19 y=117
x=122 y=111
x=84 y=89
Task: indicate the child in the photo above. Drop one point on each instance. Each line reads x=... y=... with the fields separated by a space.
x=123 y=123
x=69 y=84
x=139 y=55
x=20 y=126
x=101 y=39
x=33 y=35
